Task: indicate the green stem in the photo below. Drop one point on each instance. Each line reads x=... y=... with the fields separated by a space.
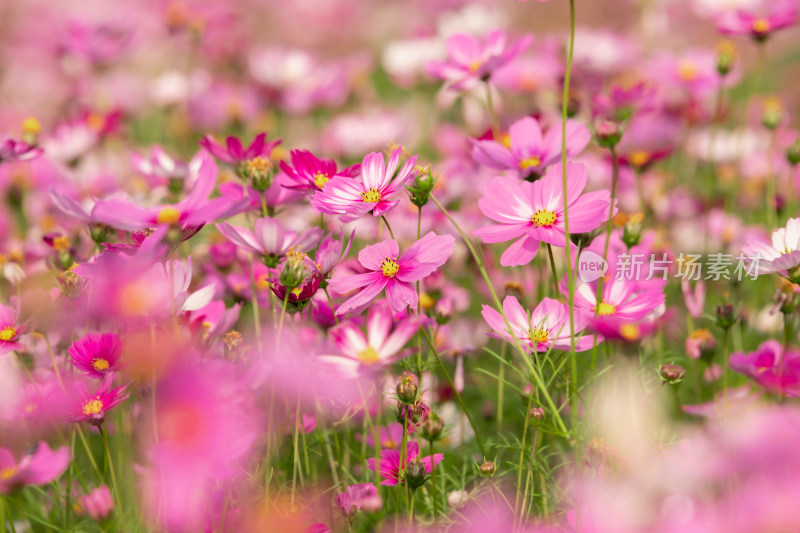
x=539 y=382
x=459 y=399
x=295 y=450
x=609 y=222
x=433 y=486
x=254 y=298
x=500 y=386
x=111 y=469
x=553 y=270
x=522 y=455
x=388 y=227
x=283 y=315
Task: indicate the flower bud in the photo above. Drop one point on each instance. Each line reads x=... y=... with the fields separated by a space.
x=31 y=128
x=257 y=172
x=608 y=133
x=726 y=315
x=416 y=474
x=407 y=388
x=487 y=469
x=432 y=427
x=793 y=153
x=443 y=310
x=632 y=229
x=700 y=344
x=294 y=269
x=726 y=57
x=671 y=373
x=772 y=113
x=538 y=413
x=420 y=191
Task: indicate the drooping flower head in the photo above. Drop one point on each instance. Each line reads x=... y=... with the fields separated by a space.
x=547 y=327
x=526 y=150
x=310 y=173
x=96 y=354
x=39 y=467
x=471 y=60
x=388 y=268
x=534 y=212
x=376 y=190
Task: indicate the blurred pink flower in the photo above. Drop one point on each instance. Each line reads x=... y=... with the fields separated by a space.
x=759 y=26
x=234 y=153
x=771 y=366
x=359 y=497
x=98 y=503
x=39 y=467
x=269 y=239
x=96 y=354
x=10 y=329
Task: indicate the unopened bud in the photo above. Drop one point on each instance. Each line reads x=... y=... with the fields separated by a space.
x=793 y=153
x=487 y=469
x=407 y=388
x=608 y=133
x=726 y=57
x=30 y=130
x=772 y=113
x=726 y=316
x=294 y=269
x=432 y=427
x=416 y=474
x=671 y=373
x=538 y=413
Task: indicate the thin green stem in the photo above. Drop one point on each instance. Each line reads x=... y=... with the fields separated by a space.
x=283 y=315
x=522 y=455
x=501 y=386
x=492 y=114
x=433 y=486
x=553 y=270
x=254 y=299
x=388 y=227
x=111 y=469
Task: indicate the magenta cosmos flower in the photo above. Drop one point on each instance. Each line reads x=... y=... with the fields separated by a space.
x=96 y=354
x=377 y=189
x=37 y=468
x=10 y=329
x=547 y=327
x=92 y=407
x=389 y=269
x=759 y=26
x=14 y=150
x=526 y=150
x=269 y=238
x=194 y=211
x=309 y=173
x=392 y=468
x=534 y=212
x=470 y=60
x=771 y=367
x=381 y=346
x=234 y=153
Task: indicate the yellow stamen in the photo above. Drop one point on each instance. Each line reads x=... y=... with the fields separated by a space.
x=540 y=335
x=761 y=26
x=7 y=333
x=93 y=407
x=605 y=309
x=544 y=218
x=629 y=332
x=372 y=195
x=258 y=166
x=640 y=158
x=369 y=356
x=320 y=180
x=31 y=126
x=8 y=472
x=529 y=162
x=389 y=267
x=168 y=215
x=505 y=140
x=425 y=301
x=100 y=365
x=687 y=71
x=61 y=243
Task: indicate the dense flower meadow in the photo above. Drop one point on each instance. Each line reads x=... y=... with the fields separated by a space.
x=466 y=266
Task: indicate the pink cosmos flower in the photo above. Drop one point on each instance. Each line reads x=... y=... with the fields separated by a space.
x=759 y=26
x=98 y=503
x=534 y=212
x=14 y=150
x=190 y=213
x=389 y=269
x=37 y=468
x=377 y=189
x=382 y=345
x=96 y=354
x=269 y=239
x=546 y=328
x=526 y=150
x=694 y=299
x=623 y=303
x=10 y=329
x=92 y=407
x=470 y=60
x=771 y=367
x=359 y=497
x=162 y=169
x=392 y=466
x=234 y=153
x=781 y=255
x=309 y=173
x=389 y=436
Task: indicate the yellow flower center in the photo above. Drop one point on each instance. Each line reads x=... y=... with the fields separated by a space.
x=31 y=126
x=297 y=291
x=388 y=443
x=425 y=301
x=544 y=218
x=687 y=71
x=761 y=26
x=61 y=243
x=8 y=472
x=263 y=283
x=100 y=364
x=259 y=166
x=93 y=407
x=540 y=335
x=168 y=215
x=529 y=162
x=389 y=267
x=321 y=179
x=605 y=309
x=505 y=140
x=372 y=195
x=629 y=332
x=475 y=65
x=369 y=356
x=639 y=158
x=7 y=333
